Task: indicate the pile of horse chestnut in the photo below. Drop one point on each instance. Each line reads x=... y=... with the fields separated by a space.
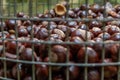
x=22 y=37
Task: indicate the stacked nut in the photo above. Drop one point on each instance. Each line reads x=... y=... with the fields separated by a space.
x=30 y=33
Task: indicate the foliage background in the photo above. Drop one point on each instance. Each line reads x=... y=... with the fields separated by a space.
x=40 y=6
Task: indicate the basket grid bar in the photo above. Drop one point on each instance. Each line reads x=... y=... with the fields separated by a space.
x=33 y=9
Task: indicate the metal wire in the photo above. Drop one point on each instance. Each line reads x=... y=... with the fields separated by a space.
x=10 y=13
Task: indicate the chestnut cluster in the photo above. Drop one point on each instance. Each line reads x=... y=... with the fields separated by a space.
x=95 y=32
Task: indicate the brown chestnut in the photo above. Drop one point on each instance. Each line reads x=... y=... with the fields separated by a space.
x=84 y=7
x=42 y=72
x=111 y=29
x=82 y=34
x=62 y=27
x=76 y=47
x=115 y=37
x=58 y=54
x=98 y=46
x=42 y=33
x=22 y=32
x=87 y=51
x=82 y=14
x=93 y=75
x=10 y=64
x=96 y=31
x=27 y=78
x=10 y=24
x=109 y=71
x=18 y=67
x=104 y=36
x=71 y=14
x=72 y=23
x=95 y=8
x=58 y=77
x=27 y=54
x=83 y=27
x=52 y=13
x=59 y=32
x=27 y=23
x=74 y=72
x=20 y=14
x=95 y=24
x=11 y=46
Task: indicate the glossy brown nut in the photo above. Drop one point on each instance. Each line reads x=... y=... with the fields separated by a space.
x=95 y=24
x=28 y=78
x=28 y=54
x=72 y=23
x=52 y=13
x=10 y=24
x=95 y=8
x=55 y=36
x=76 y=9
x=76 y=40
x=18 y=67
x=58 y=54
x=96 y=31
x=84 y=7
x=74 y=72
x=55 y=39
x=92 y=55
x=82 y=34
x=111 y=49
x=25 y=17
x=104 y=36
x=20 y=14
x=52 y=27
x=109 y=71
x=91 y=43
x=22 y=32
x=10 y=64
x=44 y=23
x=71 y=14
x=36 y=21
x=29 y=29
x=11 y=46
x=98 y=46
x=115 y=37
x=82 y=14
x=62 y=27
x=40 y=15
x=8 y=73
x=27 y=23
x=58 y=77
x=83 y=27
x=42 y=33
x=93 y=75
x=115 y=52
x=42 y=72
x=91 y=14
x=111 y=29
x=59 y=32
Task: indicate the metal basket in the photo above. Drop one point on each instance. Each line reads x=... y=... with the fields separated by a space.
x=13 y=67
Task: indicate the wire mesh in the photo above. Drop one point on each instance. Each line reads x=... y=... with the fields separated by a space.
x=34 y=46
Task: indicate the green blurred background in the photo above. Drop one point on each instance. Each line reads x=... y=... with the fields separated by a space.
x=11 y=7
